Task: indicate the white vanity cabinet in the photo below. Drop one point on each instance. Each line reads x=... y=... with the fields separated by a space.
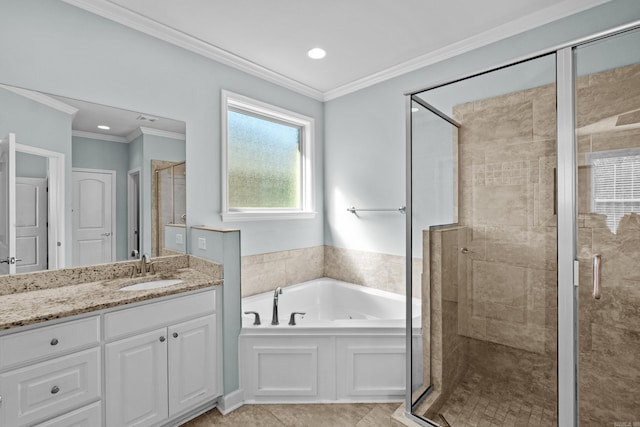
x=166 y=364
x=51 y=375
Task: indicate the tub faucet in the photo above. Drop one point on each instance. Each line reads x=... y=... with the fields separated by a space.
x=274 y=317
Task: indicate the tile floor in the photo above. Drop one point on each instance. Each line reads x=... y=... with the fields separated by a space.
x=334 y=415
x=482 y=402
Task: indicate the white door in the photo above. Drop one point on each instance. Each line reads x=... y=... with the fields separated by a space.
x=136 y=380
x=192 y=363
x=93 y=218
x=7 y=208
x=31 y=224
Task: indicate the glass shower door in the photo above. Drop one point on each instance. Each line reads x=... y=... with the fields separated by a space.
x=608 y=238
x=485 y=224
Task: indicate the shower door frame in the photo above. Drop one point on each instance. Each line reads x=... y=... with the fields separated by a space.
x=567 y=375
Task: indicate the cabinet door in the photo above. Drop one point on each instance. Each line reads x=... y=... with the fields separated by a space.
x=192 y=363
x=136 y=380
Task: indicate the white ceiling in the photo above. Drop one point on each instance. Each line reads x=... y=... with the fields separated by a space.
x=123 y=123
x=367 y=41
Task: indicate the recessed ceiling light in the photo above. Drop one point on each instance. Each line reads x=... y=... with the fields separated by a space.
x=103 y=127
x=414 y=110
x=316 y=53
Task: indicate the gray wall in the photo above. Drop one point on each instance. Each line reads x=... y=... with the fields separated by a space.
x=52 y=47
x=365 y=130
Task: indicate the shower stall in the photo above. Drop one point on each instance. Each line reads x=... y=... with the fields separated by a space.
x=169 y=200
x=523 y=203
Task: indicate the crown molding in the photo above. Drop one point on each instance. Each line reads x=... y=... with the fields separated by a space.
x=521 y=25
x=99 y=136
x=157 y=132
x=131 y=19
x=42 y=99
x=133 y=135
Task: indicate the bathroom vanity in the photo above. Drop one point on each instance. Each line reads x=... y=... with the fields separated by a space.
x=89 y=353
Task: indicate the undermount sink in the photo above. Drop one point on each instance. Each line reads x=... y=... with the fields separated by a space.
x=151 y=285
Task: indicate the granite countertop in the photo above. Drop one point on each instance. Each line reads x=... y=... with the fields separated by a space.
x=39 y=305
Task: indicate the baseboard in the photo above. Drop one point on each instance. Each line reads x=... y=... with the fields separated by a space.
x=230 y=402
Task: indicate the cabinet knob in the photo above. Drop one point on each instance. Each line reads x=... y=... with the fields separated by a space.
x=55 y=389
x=54 y=341
x=162 y=339
x=175 y=335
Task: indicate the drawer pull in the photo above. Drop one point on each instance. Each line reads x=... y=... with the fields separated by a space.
x=162 y=339
x=175 y=335
x=55 y=389
x=54 y=341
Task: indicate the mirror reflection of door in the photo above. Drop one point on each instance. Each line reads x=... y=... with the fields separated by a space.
x=31 y=224
x=93 y=217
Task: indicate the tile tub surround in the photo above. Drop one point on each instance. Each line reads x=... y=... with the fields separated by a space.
x=37 y=297
x=264 y=272
x=376 y=270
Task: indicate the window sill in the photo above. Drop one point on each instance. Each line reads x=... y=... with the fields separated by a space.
x=265 y=215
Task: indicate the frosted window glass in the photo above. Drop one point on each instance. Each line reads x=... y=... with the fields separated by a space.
x=264 y=163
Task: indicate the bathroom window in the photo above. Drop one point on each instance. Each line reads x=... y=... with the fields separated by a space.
x=267 y=161
x=615 y=181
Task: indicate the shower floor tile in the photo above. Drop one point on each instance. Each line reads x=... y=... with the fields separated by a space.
x=484 y=402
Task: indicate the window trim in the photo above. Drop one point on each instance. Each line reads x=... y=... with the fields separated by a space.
x=234 y=101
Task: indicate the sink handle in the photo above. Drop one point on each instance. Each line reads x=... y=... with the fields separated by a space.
x=292 y=319
x=256 y=320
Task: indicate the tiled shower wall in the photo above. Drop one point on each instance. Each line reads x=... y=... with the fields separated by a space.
x=507 y=200
x=610 y=327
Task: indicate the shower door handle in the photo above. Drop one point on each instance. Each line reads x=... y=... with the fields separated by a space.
x=597 y=276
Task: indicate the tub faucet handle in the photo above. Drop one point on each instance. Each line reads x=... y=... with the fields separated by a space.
x=292 y=319
x=256 y=320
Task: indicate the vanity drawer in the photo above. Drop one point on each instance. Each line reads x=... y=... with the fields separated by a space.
x=48 y=341
x=89 y=416
x=158 y=314
x=49 y=388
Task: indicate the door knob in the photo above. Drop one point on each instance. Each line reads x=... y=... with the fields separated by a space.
x=10 y=260
x=107 y=234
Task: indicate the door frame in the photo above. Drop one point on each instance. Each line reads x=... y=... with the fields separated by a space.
x=131 y=202
x=567 y=361
x=56 y=203
x=114 y=202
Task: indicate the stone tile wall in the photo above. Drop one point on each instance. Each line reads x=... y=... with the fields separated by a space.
x=507 y=200
x=445 y=351
x=265 y=272
x=609 y=328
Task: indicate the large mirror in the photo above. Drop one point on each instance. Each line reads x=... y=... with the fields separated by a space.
x=83 y=183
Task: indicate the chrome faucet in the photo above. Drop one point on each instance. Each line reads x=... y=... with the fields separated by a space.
x=274 y=317
x=144 y=262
